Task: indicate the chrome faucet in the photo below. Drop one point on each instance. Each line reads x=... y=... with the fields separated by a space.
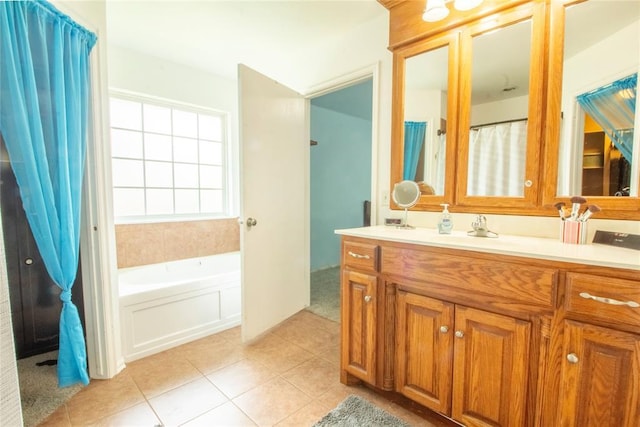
x=480 y=227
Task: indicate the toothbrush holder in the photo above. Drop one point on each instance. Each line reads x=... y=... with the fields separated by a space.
x=573 y=232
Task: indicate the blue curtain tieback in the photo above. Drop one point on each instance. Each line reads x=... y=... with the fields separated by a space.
x=65 y=296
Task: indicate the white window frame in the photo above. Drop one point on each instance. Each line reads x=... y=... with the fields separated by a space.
x=227 y=199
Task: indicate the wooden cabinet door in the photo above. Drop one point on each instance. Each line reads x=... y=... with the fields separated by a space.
x=358 y=322
x=491 y=367
x=424 y=350
x=600 y=377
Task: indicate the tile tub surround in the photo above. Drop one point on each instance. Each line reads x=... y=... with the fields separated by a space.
x=142 y=244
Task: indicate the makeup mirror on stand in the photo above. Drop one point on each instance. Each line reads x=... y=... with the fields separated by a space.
x=406 y=194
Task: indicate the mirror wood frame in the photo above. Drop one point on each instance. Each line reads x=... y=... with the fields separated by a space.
x=612 y=207
x=535 y=12
x=450 y=40
x=408 y=33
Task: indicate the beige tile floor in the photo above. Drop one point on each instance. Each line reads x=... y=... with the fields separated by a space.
x=290 y=377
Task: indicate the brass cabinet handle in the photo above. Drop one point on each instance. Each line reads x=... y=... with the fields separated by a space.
x=355 y=255
x=367 y=298
x=444 y=329
x=459 y=334
x=572 y=358
x=611 y=301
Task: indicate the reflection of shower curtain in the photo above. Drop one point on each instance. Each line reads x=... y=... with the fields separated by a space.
x=413 y=141
x=497 y=160
x=441 y=157
x=613 y=107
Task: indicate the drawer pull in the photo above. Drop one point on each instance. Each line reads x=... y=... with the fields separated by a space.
x=611 y=301
x=572 y=358
x=459 y=334
x=355 y=255
x=444 y=329
x=367 y=298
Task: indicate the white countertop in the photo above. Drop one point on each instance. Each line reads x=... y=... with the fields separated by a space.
x=534 y=247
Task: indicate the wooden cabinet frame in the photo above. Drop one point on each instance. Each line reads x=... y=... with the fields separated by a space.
x=532 y=308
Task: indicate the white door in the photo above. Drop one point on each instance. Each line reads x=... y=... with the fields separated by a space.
x=274 y=158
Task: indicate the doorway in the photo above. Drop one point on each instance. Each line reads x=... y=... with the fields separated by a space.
x=34 y=297
x=340 y=183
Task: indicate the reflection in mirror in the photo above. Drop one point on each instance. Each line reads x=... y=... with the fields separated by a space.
x=597 y=155
x=406 y=194
x=425 y=110
x=608 y=129
x=499 y=111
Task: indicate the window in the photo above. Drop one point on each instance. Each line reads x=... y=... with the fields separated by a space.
x=167 y=160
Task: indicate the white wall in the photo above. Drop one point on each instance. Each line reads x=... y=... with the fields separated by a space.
x=500 y=111
x=148 y=75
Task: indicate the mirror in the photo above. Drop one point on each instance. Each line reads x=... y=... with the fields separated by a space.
x=406 y=194
x=425 y=119
x=592 y=159
x=497 y=144
x=501 y=101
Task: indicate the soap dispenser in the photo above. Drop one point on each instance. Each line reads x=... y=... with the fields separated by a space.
x=445 y=222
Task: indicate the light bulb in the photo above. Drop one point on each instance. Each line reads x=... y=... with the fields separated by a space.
x=435 y=11
x=466 y=4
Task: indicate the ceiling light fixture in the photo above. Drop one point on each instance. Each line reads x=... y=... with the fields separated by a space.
x=436 y=10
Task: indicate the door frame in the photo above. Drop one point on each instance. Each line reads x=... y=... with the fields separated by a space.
x=97 y=230
x=370 y=72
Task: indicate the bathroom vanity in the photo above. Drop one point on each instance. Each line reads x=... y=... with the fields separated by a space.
x=511 y=331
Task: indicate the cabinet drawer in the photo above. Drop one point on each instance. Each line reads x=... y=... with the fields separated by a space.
x=362 y=256
x=604 y=298
x=507 y=281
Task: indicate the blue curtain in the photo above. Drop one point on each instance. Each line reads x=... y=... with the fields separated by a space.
x=613 y=107
x=413 y=141
x=44 y=104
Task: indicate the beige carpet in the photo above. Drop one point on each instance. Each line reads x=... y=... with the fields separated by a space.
x=39 y=391
x=325 y=293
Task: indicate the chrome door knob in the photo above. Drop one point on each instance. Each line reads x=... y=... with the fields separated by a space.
x=444 y=329
x=251 y=222
x=459 y=334
x=572 y=358
x=367 y=298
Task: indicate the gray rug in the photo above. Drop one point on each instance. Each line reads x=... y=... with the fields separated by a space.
x=354 y=411
x=39 y=391
x=325 y=293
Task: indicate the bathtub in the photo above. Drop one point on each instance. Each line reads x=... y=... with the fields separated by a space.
x=168 y=304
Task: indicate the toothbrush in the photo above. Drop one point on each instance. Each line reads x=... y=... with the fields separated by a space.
x=560 y=207
x=591 y=209
x=575 y=207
